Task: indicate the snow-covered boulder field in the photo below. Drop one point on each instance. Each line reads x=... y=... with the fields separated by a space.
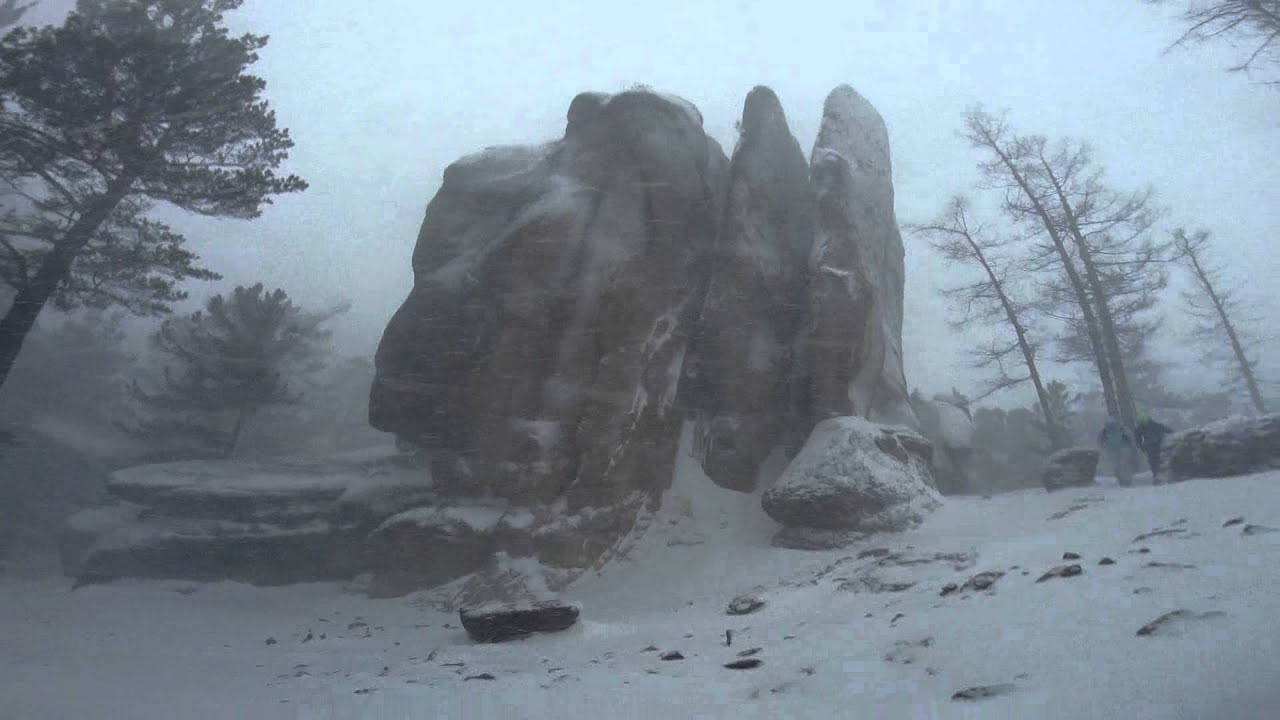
x=1233 y=446
x=854 y=475
x=1100 y=602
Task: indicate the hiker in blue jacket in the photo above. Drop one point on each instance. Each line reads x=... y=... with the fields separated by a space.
x=1150 y=436
x=1114 y=440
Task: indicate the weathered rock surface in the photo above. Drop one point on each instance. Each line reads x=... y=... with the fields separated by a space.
x=853 y=344
x=1234 y=446
x=426 y=547
x=747 y=375
x=541 y=349
x=946 y=422
x=573 y=303
x=261 y=523
x=855 y=475
x=1072 y=467
x=500 y=623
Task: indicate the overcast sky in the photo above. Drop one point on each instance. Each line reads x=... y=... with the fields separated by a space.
x=381 y=95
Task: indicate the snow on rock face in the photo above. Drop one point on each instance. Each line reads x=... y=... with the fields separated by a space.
x=855 y=475
x=1233 y=446
x=754 y=307
x=854 y=342
x=541 y=349
x=266 y=523
x=573 y=302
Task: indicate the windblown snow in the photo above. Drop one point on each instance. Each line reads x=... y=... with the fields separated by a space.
x=863 y=632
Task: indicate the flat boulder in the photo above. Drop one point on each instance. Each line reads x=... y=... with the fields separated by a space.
x=429 y=546
x=1072 y=467
x=500 y=623
x=853 y=474
x=1234 y=446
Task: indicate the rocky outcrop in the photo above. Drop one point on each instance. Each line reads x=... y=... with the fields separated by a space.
x=261 y=523
x=946 y=422
x=853 y=343
x=1234 y=446
x=541 y=350
x=747 y=376
x=1072 y=467
x=855 y=475
x=573 y=303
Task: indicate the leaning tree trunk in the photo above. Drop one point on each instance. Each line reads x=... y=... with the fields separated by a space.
x=54 y=268
x=1237 y=347
x=1052 y=428
x=1106 y=321
x=1073 y=277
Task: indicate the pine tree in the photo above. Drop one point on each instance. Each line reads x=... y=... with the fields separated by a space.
x=128 y=103
x=242 y=353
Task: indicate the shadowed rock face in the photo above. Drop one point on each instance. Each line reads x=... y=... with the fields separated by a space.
x=540 y=352
x=854 y=339
x=748 y=378
x=574 y=302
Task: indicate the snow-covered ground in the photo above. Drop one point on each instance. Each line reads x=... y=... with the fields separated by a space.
x=836 y=637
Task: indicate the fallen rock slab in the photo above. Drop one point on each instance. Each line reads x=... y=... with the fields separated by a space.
x=500 y=623
x=1062 y=571
x=981 y=692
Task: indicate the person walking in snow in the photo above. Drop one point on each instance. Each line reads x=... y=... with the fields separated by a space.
x=1119 y=448
x=1150 y=436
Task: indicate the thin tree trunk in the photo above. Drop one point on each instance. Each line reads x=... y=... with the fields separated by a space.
x=1111 y=342
x=54 y=268
x=1056 y=439
x=242 y=417
x=1073 y=276
x=1246 y=369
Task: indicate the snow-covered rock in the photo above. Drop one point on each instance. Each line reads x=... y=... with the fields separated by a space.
x=266 y=523
x=499 y=623
x=854 y=342
x=747 y=374
x=1071 y=467
x=1233 y=446
x=430 y=546
x=855 y=475
x=540 y=352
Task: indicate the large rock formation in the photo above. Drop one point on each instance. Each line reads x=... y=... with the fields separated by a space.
x=748 y=378
x=854 y=339
x=574 y=302
x=1234 y=446
x=540 y=353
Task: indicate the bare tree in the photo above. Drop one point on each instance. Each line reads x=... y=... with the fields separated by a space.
x=1255 y=24
x=1217 y=309
x=1011 y=170
x=1108 y=268
x=988 y=300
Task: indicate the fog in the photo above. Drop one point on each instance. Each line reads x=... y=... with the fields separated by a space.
x=382 y=96
x=597 y=461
